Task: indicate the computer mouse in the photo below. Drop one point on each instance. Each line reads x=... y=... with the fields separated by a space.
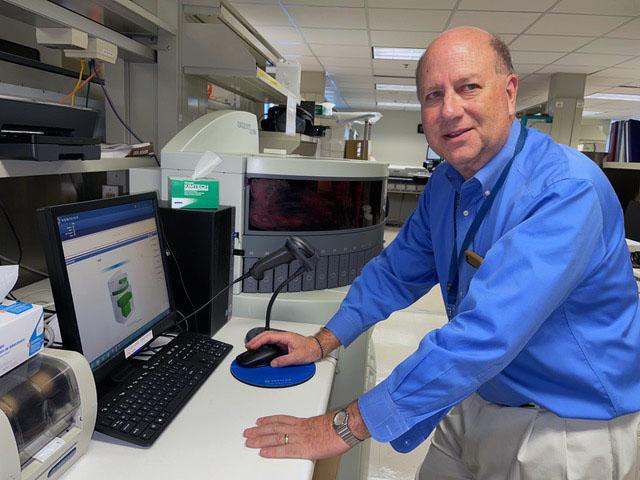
x=261 y=356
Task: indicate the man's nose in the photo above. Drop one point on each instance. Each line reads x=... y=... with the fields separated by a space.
x=452 y=105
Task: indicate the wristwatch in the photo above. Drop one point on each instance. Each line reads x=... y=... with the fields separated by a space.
x=341 y=426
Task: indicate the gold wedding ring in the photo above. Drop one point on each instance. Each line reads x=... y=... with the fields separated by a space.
x=286 y=438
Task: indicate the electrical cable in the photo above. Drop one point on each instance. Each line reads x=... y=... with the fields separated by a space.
x=86 y=100
x=175 y=260
x=75 y=88
x=239 y=279
x=113 y=109
x=13 y=231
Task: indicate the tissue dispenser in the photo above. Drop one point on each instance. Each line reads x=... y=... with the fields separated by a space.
x=200 y=193
x=47 y=415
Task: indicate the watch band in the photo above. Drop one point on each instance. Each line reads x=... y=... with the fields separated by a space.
x=341 y=427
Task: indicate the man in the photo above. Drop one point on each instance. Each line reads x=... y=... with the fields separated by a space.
x=535 y=374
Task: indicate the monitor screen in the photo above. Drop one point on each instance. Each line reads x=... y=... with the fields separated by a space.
x=116 y=277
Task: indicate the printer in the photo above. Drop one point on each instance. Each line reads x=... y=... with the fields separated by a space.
x=47 y=415
x=46 y=131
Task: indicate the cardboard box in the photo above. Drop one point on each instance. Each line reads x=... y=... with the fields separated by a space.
x=194 y=193
x=21 y=333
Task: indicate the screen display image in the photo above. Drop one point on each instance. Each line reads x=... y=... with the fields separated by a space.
x=292 y=205
x=114 y=265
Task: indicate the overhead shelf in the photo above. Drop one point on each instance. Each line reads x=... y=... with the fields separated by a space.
x=260 y=87
x=26 y=168
x=123 y=16
x=621 y=165
x=43 y=13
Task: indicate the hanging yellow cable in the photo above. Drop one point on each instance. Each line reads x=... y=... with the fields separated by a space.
x=75 y=89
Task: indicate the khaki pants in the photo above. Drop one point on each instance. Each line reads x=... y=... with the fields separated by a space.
x=483 y=441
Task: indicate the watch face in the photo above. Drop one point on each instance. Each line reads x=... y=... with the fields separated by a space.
x=340 y=418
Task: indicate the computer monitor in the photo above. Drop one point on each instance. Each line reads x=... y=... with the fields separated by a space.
x=108 y=277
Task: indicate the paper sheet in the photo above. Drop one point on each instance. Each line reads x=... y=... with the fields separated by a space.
x=8 y=278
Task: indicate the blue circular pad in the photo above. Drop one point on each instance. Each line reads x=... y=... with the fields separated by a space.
x=270 y=377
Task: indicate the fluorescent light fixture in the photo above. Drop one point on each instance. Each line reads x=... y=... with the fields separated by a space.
x=393 y=87
x=390 y=53
x=590 y=113
x=399 y=105
x=614 y=96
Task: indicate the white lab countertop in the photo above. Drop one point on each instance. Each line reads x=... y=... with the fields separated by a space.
x=205 y=440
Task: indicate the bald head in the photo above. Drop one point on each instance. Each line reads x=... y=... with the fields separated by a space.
x=476 y=36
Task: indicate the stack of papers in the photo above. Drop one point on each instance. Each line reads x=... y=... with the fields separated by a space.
x=120 y=150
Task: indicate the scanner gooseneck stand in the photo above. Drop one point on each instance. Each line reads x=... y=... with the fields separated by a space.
x=295 y=248
x=244 y=366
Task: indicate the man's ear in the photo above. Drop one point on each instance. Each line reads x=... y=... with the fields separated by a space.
x=512 y=92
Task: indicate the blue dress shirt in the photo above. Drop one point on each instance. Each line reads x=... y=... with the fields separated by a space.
x=550 y=317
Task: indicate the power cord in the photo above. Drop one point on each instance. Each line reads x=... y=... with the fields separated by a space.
x=113 y=108
x=13 y=231
x=204 y=305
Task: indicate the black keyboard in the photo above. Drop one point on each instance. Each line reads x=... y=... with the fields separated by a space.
x=142 y=406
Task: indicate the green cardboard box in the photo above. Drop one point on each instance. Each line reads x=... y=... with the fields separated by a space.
x=194 y=193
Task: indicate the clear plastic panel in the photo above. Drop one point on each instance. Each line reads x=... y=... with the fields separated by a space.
x=40 y=399
x=293 y=205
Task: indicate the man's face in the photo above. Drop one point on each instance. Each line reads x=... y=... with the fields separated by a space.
x=467 y=106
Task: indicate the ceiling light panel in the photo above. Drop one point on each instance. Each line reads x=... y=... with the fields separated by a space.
x=394 y=87
x=415 y=106
x=614 y=96
x=391 y=53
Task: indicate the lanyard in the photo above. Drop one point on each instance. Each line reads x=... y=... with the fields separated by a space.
x=456 y=258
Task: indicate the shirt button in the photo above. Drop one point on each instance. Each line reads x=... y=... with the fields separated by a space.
x=465 y=213
x=487 y=193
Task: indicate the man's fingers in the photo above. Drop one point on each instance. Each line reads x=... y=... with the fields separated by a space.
x=284 y=360
x=283 y=451
x=272 y=440
x=282 y=419
x=264 y=337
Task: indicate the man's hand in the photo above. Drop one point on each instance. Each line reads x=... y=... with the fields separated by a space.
x=282 y=436
x=301 y=349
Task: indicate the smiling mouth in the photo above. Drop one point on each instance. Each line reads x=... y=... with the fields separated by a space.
x=456 y=133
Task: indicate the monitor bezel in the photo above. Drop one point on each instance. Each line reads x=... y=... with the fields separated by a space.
x=61 y=287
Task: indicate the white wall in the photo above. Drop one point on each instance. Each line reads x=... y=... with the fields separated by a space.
x=396 y=141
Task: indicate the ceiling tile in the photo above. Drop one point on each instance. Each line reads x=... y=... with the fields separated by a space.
x=548 y=43
x=312 y=68
x=345 y=62
x=326 y=3
x=629 y=74
x=380 y=38
x=322 y=16
x=506 y=22
x=258 y=15
x=614 y=46
x=295 y=50
x=338 y=70
x=535 y=57
x=353 y=79
x=605 y=79
x=583 y=25
x=525 y=69
x=343 y=51
x=634 y=64
x=592 y=59
x=630 y=30
x=403 y=20
x=506 y=5
x=304 y=60
x=401 y=68
x=278 y=35
x=335 y=36
x=553 y=68
x=271 y=2
x=599 y=7
x=424 y=4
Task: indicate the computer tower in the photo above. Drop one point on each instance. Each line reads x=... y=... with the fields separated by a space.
x=201 y=244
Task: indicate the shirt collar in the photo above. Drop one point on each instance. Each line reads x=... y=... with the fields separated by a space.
x=489 y=173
